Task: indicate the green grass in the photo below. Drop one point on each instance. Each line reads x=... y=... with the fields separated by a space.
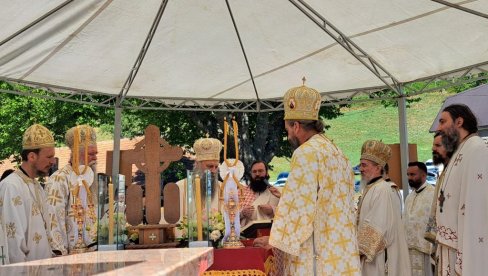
x=371 y=120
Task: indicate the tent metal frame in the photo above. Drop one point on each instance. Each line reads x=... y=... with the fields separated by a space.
x=398 y=90
x=66 y=94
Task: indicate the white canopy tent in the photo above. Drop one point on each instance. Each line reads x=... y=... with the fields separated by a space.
x=236 y=55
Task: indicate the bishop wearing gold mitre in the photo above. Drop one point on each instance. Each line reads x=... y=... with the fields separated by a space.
x=207 y=152
x=72 y=192
x=23 y=210
x=382 y=244
x=314 y=231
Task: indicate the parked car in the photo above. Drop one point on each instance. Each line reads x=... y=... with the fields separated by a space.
x=431 y=167
x=357 y=186
x=281 y=179
x=356 y=169
x=431 y=178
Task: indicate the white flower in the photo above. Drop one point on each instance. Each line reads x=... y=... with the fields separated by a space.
x=215 y=235
x=219 y=226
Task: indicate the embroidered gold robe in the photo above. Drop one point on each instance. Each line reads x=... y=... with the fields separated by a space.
x=24 y=218
x=380 y=230
x=415 y=218
x=314 y=225
x=64 y=229
x=462 y=225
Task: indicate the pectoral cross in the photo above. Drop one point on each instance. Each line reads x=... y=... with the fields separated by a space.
x=442 y=198
x=3 y=256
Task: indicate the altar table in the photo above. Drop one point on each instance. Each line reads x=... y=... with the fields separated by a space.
x=241 y=261
x=173 y=261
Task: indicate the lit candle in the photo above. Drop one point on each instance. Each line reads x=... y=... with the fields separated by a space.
x=110 y=213
x=198 y=198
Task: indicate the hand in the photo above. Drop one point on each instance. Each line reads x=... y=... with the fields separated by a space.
x=266 y=209
x=247 y=211
x=262 y=242
x=274 y=191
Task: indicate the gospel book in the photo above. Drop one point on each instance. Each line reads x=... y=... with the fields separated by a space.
x=252 y=229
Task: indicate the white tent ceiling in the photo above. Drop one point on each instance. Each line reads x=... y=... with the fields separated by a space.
x=195 y=56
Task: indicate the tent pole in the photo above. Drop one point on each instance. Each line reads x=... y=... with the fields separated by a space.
x=402 y=123
x=116 y=151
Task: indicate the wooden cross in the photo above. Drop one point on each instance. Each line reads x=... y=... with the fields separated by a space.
x=152 y=155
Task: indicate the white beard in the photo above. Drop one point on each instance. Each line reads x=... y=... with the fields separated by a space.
x=362 y=185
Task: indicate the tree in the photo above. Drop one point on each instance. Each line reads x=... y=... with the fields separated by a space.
x=261 y=135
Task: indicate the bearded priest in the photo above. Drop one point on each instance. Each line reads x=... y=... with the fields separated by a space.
x=23 y=207
x=72 y=193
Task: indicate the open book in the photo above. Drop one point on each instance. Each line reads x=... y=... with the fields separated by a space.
x=251 y=230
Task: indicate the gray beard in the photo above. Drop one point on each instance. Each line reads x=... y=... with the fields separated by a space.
x=362 y=185
x=94 y=185
x=203 y=182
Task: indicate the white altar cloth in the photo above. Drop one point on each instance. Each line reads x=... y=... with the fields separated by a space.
x=173 y=261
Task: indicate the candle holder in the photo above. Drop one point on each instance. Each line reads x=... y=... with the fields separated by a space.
x=199 y=195
x=111 y=227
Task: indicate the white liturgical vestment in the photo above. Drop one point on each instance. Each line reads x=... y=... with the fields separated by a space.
x=461 y=216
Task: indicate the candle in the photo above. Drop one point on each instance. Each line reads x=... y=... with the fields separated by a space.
x=198 y=198
x=110 y=213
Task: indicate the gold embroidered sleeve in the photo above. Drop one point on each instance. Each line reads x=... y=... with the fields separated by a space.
x=371 y=241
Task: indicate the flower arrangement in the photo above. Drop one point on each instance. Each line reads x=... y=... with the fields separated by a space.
x=215 y=229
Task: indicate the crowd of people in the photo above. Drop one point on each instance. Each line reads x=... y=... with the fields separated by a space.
x=318 y=228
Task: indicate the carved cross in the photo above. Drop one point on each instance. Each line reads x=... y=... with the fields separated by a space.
x=152 y=156
x=152 y=236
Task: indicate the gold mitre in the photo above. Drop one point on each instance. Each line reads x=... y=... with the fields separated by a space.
x=37 y=137
x=207 y=149
x=376 y=151
x=302 y=103
x=86 y=133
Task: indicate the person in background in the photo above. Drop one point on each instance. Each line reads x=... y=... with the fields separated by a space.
x=415 y=218
x=260 y=198
x=382 y=244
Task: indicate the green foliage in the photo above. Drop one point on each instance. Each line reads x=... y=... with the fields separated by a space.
x=19 y=112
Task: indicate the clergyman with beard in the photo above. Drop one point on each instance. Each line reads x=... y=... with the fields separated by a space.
x=462 y=221
x=75 y=182
x=207 y=156
x=260 y=198
x=416 y=216
x=381 y=237
x=313 y=230
x=23 y=233
x=440 y=156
